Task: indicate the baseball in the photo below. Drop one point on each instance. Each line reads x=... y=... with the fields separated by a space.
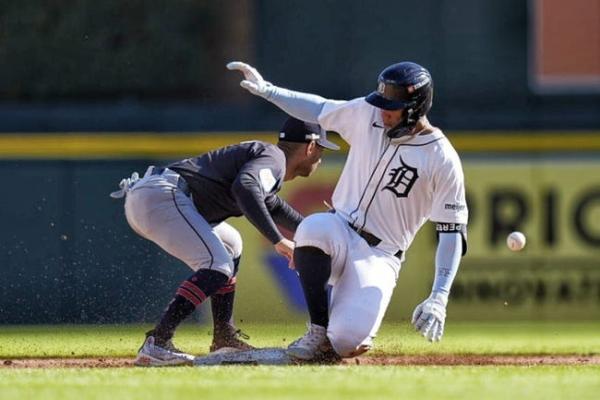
x=516 y=241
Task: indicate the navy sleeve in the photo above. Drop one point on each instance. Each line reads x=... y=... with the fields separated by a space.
x=256 y=179
x=283 y=214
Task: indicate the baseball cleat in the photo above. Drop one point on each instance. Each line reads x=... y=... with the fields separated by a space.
x=229 y=337
x=152 y=355
x=312 y=346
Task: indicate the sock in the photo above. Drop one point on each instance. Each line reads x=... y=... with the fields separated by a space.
x=222 y=302
x=222 y=305
x=314 y=269
x=192 y=292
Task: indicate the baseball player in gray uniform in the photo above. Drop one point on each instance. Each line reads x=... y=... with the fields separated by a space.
x=400 y=172
x=183 y=207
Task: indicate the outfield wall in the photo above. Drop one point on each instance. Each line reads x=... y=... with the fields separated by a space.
x=67 y=254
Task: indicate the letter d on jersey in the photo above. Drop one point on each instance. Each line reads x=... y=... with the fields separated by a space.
x=402 y=179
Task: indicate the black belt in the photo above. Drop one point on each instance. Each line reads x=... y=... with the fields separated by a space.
x=181 y=183
x=371 y=239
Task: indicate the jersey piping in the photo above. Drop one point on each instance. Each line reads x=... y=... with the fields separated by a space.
x=382 y=175
x=377 y=187
x=369 y=181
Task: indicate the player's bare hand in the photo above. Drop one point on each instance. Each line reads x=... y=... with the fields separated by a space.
x=253 y=80
x=285 y=248
x=429 y=317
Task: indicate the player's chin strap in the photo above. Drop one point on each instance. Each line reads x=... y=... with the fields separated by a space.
x=125 y=185
x=403 y=132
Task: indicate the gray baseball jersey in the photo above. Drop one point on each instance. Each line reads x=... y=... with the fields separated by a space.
x=187 y=220
x=241 y=179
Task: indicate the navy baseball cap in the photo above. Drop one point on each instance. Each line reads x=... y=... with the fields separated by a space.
x=298 y=131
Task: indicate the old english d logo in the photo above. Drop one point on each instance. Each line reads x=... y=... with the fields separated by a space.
x=402 y=179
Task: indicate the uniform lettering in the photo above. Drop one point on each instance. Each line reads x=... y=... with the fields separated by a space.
x=402 y=179
x=449 y=227
x=455 y=207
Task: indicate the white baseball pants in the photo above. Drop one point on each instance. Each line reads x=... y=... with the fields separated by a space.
x=362 y=278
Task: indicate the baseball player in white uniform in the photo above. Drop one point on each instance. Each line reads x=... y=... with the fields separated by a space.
x=400 y=172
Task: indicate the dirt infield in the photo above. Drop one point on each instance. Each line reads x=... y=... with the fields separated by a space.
x=526 y=360
x=406 y=360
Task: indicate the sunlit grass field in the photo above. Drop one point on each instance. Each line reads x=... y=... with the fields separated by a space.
x=306 y=382
x=393 y=339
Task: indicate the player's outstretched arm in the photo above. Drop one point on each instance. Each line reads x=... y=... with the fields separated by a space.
x=303 y=106
x=429 y=317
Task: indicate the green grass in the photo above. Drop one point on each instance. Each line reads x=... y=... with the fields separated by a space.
x=350 y=382
x=460 y=338
x=307 y=382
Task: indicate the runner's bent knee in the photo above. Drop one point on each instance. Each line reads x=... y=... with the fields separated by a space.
x=317 y=230
x=349 y=342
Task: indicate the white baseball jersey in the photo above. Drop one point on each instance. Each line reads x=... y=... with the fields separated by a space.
x=391 y=190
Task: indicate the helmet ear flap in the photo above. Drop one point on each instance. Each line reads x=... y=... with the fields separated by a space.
x=404 y=85
x=406 y=126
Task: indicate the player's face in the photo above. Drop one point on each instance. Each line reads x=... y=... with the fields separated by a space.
x=312 y=161
x=391 y=118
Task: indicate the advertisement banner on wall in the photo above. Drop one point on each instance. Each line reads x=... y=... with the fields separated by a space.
x=555 y=203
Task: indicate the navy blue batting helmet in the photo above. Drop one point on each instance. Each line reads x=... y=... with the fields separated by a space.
x=404 y=85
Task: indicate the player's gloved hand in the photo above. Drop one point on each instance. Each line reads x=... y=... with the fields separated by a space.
x=125 y=185
x=253 y=80
x=429 y=317
x=285 y=248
